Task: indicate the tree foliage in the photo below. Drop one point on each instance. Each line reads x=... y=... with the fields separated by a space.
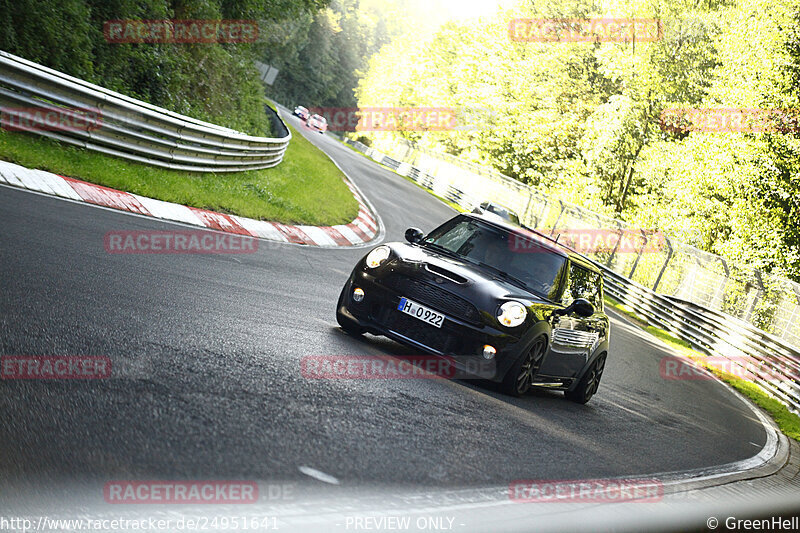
x=583 y=120
x=214 y=82
x=321 y=56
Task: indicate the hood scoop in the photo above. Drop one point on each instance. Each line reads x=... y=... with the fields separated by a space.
x=439 y=271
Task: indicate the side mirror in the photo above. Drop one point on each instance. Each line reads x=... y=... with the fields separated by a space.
x=414 y=235
x=581 y=307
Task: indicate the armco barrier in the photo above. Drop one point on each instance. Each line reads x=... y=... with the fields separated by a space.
x=774 y=362
x=133 y=129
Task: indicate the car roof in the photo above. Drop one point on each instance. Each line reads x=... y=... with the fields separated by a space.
x=545 y=240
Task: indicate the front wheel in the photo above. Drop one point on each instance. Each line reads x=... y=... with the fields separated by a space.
x=589 y=383
x=519 y=378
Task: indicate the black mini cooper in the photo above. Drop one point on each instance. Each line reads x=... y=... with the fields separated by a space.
x=479 y=287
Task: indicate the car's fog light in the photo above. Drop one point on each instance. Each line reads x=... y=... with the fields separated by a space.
x=488 y=352
x=358 y=295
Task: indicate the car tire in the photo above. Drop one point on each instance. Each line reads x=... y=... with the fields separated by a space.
x=346 y=323
x=519 y=377
x=589 y=383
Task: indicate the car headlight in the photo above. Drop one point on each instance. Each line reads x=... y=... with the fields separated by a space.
x=378 y=256
x=512 y=314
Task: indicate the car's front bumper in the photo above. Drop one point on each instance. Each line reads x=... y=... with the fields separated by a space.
x=378 y=314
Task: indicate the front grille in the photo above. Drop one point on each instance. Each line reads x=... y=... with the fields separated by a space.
x=435 y=297
x=437 y=338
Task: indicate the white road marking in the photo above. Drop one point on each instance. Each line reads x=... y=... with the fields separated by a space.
x=262 y=229
x=348 y=234
x=169 y=210
x=320 y=476
x=58 y=184
x=317 y=235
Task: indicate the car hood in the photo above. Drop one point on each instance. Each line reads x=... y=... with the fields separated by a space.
x=480 y=285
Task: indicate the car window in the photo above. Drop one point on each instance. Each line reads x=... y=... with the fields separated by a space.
x=583 y=283
x=523 y=258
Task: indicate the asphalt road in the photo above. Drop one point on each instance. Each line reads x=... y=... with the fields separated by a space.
x=206 y=379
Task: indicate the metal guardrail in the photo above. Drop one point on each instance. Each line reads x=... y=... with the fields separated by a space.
x=773 y=363
x=133 y=129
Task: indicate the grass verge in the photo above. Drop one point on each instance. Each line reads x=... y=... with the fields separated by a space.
x=306 y=188
x=787 y=421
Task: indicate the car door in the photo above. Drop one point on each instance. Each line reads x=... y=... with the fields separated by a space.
x=574 y=338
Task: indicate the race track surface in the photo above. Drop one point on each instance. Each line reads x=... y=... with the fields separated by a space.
x=206 y=380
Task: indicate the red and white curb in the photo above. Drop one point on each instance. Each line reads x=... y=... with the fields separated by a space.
x=365 y=228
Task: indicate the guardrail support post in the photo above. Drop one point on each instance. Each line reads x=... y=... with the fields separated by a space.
x=720 y=293
x=641 y=250
x=664 y=266
x=540 y=218
x=757 y=297
x=527 y=207
x=616 y=247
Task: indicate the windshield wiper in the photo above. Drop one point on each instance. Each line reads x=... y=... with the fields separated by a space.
x=504 y=275
x=442 y=249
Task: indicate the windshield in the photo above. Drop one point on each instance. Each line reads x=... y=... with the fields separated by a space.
x=518 y=256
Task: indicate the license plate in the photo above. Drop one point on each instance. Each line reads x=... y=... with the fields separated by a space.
x=429 y=316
